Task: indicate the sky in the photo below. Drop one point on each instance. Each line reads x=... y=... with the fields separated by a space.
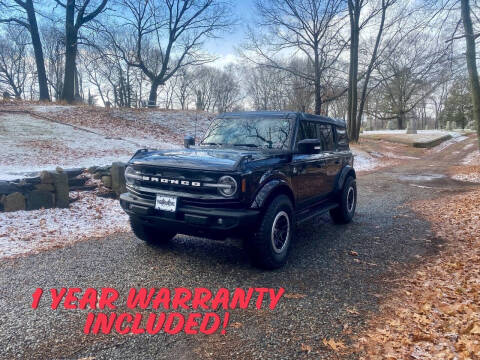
x=224 y=46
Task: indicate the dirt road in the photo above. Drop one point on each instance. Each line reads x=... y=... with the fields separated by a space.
x=329 y=288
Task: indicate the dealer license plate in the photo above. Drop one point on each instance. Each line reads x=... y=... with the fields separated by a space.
x=166 y=203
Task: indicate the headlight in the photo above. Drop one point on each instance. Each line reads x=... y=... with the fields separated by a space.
x=131 y=175
x=228 y=186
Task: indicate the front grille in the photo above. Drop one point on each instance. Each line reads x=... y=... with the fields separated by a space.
x=187 y=195
x=171 y=176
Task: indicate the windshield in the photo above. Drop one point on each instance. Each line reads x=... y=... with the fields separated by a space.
x=266 y=132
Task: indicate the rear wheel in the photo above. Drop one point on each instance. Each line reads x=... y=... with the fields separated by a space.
x=150 y=234
x=347 y=202
x=269 y=247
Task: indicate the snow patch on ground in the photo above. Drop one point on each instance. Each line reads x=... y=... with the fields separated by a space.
x=51 y=108
x=471 y=177
x=364 y=161
x=473 y=158
x=29 y=144
x=176 y=122
x=90 y=216
x=448 y=143
x=426 y=132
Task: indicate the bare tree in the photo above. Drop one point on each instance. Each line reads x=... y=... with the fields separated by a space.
x=13 y=61
x=266 y=87
x=357 y=24
x=184 y=89
x=410 y=73
x=311 y=28
x=23 y=14
x=227 y=89
x=76 y=16
x=167 y=35
x=54 y=49
x=471 y=62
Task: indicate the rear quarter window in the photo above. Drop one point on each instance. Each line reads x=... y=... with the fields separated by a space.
x=325 y=134
x=342 y=138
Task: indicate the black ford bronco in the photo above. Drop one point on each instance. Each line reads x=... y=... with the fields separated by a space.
x=255 y=175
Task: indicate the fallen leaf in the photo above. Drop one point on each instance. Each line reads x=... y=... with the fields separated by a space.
x=306 y=348
x=334 y=345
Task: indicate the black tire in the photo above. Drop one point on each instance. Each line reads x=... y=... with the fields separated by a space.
x=150 y=234
x=347 y=200
x=267 y=251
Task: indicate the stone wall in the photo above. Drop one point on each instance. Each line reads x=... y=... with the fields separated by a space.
x=51 y=189
x=47 y=190
x=112 y=178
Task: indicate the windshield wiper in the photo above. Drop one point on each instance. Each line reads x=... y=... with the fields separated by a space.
x=248 y=145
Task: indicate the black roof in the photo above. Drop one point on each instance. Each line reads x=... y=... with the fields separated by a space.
x=288 y=114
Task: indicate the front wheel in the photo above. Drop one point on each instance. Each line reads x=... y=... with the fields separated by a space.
x=347 y=203
x=269 y=247
x=150 y=234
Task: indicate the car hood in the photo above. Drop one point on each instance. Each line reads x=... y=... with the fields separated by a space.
x=214 y=159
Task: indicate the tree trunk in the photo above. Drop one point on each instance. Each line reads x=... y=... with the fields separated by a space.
x=401 y=121
x=70 y=52
x=152 y=98
x=37 y=49
x=318 y=93
x=353 y=126
x=471 y=63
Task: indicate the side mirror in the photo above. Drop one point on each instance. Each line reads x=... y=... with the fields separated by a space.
x=309 y=146
x=188 y=141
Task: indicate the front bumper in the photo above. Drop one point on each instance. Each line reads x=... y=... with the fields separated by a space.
x=193 y=220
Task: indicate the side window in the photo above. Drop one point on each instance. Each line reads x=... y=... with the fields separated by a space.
x=307 y=130
x=325 y=132
x=342 y=138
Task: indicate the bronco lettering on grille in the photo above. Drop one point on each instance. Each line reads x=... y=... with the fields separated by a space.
x=171 y=181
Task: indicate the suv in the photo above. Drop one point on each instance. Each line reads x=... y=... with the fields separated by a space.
x=255 y=175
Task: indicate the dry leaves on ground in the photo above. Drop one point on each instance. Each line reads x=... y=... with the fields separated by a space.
x=436 y=312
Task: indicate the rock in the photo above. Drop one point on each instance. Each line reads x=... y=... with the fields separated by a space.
x=107 y=194
x=61 y=189
x=47 y=177
x=45 y=187
x=24 y=188
x=13 y=202
x=7 y=187
x=92 y=169
x=83 y=188
x=117 y=172
x=78 y=181
x=107 y=181
x=71 y=173
x=38 y=199
x=59 y=170
x=32 y=180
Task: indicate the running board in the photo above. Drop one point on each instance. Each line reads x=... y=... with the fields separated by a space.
x=318 y=210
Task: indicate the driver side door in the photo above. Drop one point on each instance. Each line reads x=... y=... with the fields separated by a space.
x=309 y=170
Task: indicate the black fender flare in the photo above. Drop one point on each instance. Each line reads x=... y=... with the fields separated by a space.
x=268 y=189
x=346 y=171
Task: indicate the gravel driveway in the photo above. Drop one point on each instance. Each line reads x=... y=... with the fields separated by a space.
x=328 y=288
